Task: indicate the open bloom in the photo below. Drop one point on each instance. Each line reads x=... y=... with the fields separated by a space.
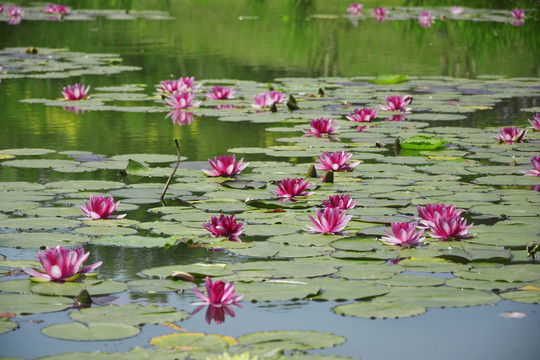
x=535 y=161
x=447 y=228
x=363 y=115
x=322 y=128
x=221 y=93
x=456 y=10
x=330 y=221
x=511 y=135
x=287 y=189
x=343 y=202
x=535 y=122
x=425 y=19
x=403 y=234
x=169 y=87
x=428 y=212
x=56 y=9
x=379 y=13
x=75 y=92
x=101 y=208
x=182 y=100
x=397 y=103
x=225 y=226
x=267 y=99
x=517 y=14
x=61 y=264
x=336 y=161
x=218 y=293
x=355 y=9
x=180 y=117
x=14 y=11
x=225 y=166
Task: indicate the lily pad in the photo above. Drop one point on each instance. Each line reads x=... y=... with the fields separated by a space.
x=33 y=304
x=90 y=332
x=440 y=296
x=379 y=310
x=522 y=296
x=193 y=341
x=129 y=314
x=6 y=325
x=291 y=340
x=73 y=288
x=194 y=269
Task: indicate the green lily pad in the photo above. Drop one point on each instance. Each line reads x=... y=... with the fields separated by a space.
x=412 y=280
x=193 y=341
x=509 y=273
x=194 y=269
x=6 y=325
x=90 y=332
x=291 y=340
x=129 y=314
x=480 y=284
x=422 y=142
x=136 y=353
x=369 y=272
x=276 y=290
x=33 y=304
x=15 y=286
x=151 y=286
x=341 y=289
x=73 y=288
x=439 y=296
x=133 y=241
x=38 y=223
x=284 y=269
x=379 y=310
x=389 y=79
x=37 y=240
x=522 y=296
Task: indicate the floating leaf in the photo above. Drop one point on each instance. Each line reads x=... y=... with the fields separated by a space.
x=291 y=340
x=90 y=332
x=379 y=310
x=389 y=79
x=193 y=341
x=422 y=142
x=276 y=290
x=72 y=288
x=33 y=304
x=6 y=325
x=129 y=314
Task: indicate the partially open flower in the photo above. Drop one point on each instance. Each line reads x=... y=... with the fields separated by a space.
x=330 y=221
x=363 y=115
x=535 y=161
x=322 y=128
x=355 y=9
x=221 y=93
x=343 y=202
x=61 y=264
x=425 y=19
x=428 y=212
x=456 y=10
x=511 y=135
x=101 y=208
x=336 y=161
x=403 y=234
x=226 y=226
x=397 y=103
x=448 y=228
x=218 y=293
x=14 y=11
x=267 y=99
x=517 y=14
x=379 y=13
x=225 y=166
x=287 y=189
x=535 y=122
x=182 y=100
x=75 y=92
x=56 y=9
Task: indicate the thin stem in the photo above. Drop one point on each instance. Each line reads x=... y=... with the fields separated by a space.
x=173 y=172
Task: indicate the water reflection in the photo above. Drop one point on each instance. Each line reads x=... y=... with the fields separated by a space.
x=398 y=117
x=14 y=20
x=73 y=109
x=379 y=14
x=180 y=118
x=217 y=313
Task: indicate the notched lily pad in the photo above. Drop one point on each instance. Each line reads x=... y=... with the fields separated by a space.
x=129 y=314
x=379 y=310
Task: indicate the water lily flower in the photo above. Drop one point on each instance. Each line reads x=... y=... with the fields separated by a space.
x=511 y=135
x=322 y=128
x=399 y=117
x=1 y=8
x=276 y=97
x=397 y=103
x=287 y=189
x=447 y=228
x=180 y=117
x=219 y=293
x=221 y=93
x=428 y=212
x=456 y=10
x=169 y=87
x=379 y=13
x=225 y=226
x=535 y=122
x=343 y=202
x=535 y=161
x=56 y=9
x=330 y=221
x=267 y=99
x=425 y=19
x=363 y=115
x=14 y=11
x=75 y=92
x=101 y=208
x=355 y=9
x=225 y=166
x=403 y=234
x=61 y=264
x=181 y=100
x=261 y=100
x=517 y=14
x=336 y=161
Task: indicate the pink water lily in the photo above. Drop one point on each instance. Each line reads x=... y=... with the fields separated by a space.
x=1 y=8
x=511 y=135
x=355 y=9
x=535 y=161
x=14 y=20
x=456 y=10
x=14 y=11
x=226 y=226
x=517 y=14
x=330 y=221
x=181 y=100
x=219 y=293
x=101 y=207
x=428 y=212
x=56 y=9
x=535 y=122
x=397 y=103
x=288 y=189
x=180 y=117
x=336 y=161
x=343 y=202
x=448 y=228
x=221 y=93
x=322 y=128
x=75 y=92
x=267 y=99
x=61 y=264
x=363 y=115
x=379 y=13
x=187 y=84
x=426 y=19
x=403 y=234
x=225 y=166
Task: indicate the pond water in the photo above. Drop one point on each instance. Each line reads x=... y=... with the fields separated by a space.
x=336 y=296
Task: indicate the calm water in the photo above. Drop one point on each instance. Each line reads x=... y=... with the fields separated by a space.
x=261 y=41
